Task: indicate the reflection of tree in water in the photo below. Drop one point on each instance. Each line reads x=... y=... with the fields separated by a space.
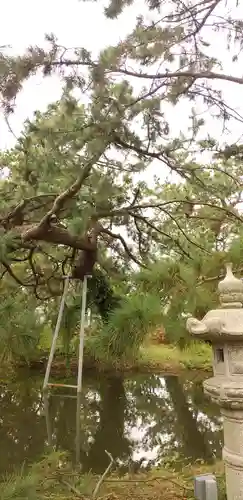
x=20 y=424
x=102 y=421
x=110 y=431
x=62 y=413
x=186 y=432
x=166 y=408
x=201 y=407
x=171 y=414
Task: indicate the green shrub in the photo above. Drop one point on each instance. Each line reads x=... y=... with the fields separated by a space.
x=128 y=326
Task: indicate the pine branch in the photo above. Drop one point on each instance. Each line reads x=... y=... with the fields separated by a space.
x=208 y=75
x=125 y=246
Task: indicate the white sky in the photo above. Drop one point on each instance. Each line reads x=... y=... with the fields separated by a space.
x=78 y=23
x=74 y=23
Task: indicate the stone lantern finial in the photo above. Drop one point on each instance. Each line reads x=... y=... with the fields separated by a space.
x=230 y=290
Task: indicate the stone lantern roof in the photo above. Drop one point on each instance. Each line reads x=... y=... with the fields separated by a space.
x=224 y=324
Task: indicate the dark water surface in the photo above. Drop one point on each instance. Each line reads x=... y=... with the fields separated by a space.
x=144 y=418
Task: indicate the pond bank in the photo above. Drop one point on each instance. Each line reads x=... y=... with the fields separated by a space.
x=61 y=481
x=162 y=359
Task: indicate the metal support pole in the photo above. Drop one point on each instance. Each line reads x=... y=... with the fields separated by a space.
x=80 y=364
x=55 y=335
x=81 y=334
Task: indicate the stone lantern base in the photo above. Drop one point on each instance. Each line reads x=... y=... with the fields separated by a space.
x=228 y=394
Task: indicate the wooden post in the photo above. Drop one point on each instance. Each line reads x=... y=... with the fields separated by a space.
x=55 y=335
x=81 y=335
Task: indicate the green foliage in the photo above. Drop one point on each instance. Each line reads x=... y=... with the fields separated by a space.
x=187 y=288
x=78 y=166
x=102 y=295
x=34 y=483
x=19 y=324
x=128 y=326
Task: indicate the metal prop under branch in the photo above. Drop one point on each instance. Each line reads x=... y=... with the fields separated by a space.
x=46 y=383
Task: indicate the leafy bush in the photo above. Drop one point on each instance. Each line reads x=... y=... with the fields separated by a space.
x=128 y=326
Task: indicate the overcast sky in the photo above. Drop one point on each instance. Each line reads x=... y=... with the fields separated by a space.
x=78 y=23
x=74 y=23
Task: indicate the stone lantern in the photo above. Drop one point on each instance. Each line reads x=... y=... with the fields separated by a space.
x=224 y=328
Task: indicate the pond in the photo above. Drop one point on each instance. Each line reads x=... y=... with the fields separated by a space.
x=142 y=421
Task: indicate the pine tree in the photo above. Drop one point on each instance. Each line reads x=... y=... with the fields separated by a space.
x=73 y=171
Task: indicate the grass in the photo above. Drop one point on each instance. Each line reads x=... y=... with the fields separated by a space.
x=169 y=358
x=54 y=478
x=158 y=358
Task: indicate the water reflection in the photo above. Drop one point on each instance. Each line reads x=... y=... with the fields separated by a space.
x=140 y=421
x=48 y=419
x=46 y=403
x=78 y=428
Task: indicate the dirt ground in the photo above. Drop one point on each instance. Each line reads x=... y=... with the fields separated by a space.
x=160 y=484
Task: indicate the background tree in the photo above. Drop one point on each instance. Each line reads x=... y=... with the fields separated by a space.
x=75 y=172
x=177 y=39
